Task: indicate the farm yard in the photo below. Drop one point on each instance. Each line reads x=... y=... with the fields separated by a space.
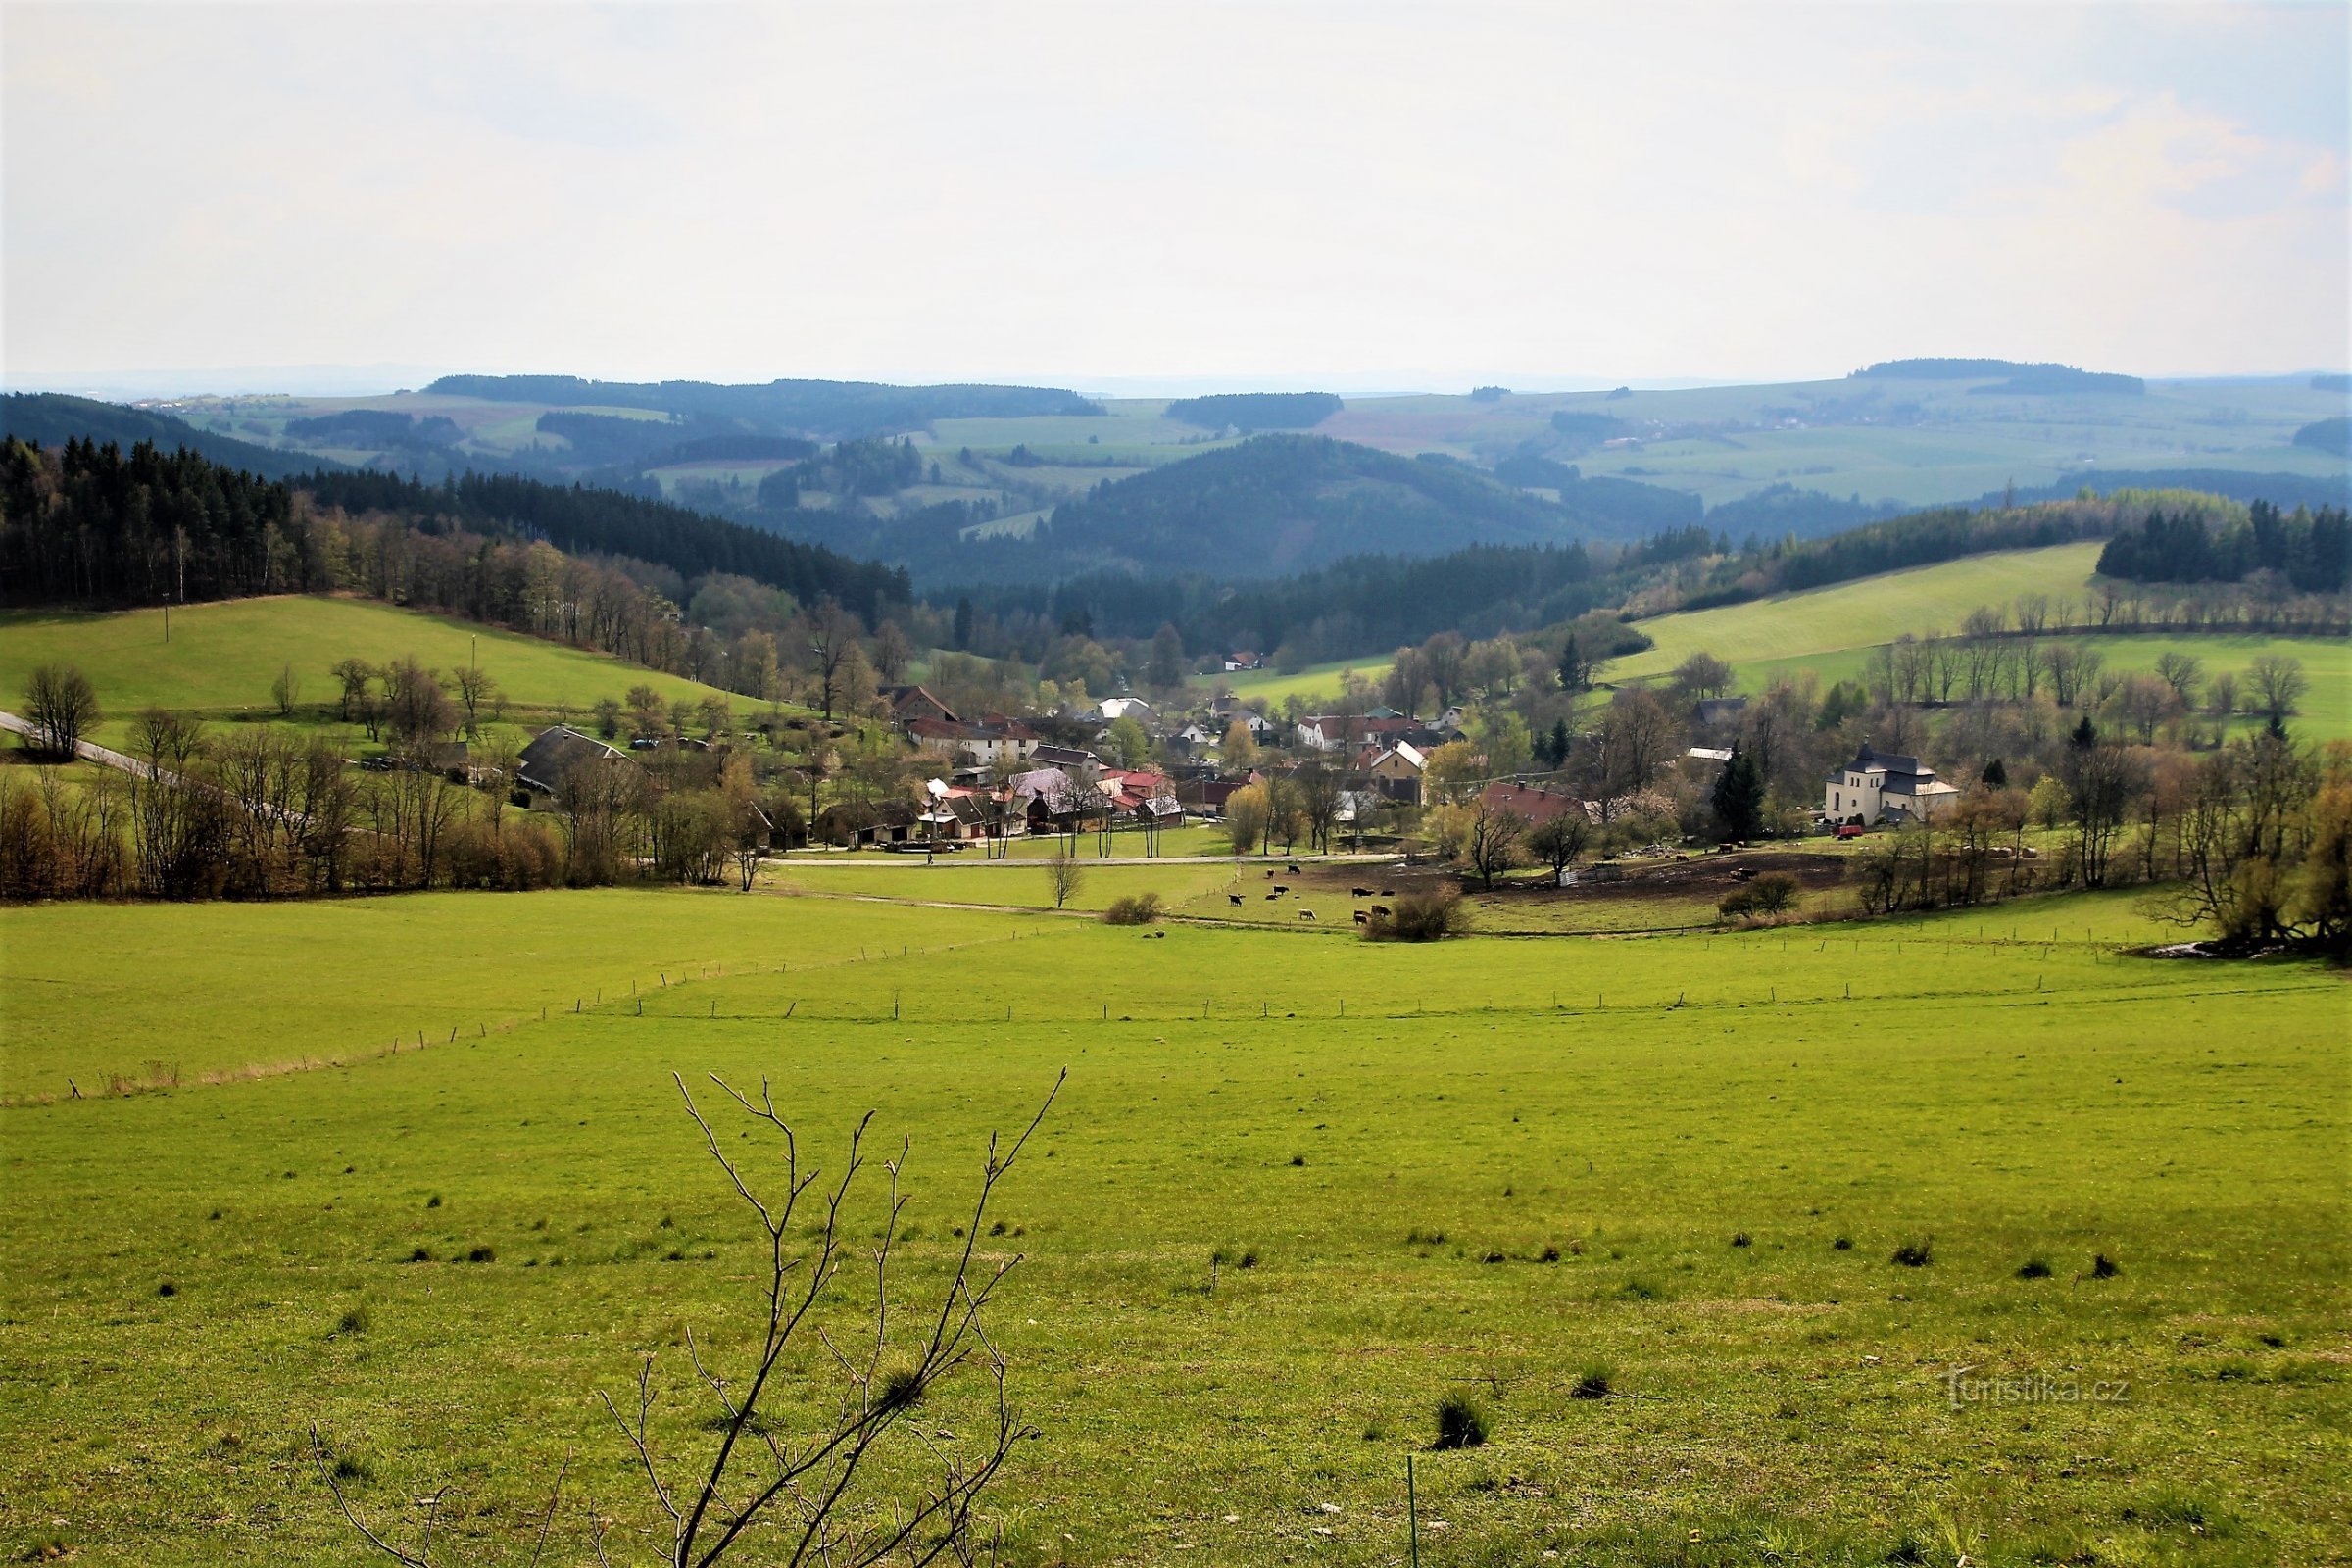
x=1637 y=1197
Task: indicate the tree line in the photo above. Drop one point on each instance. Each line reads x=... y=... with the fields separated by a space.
x=2309 y=552
x=88 y=523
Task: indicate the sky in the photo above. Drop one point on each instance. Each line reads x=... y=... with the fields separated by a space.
x=1354 y=196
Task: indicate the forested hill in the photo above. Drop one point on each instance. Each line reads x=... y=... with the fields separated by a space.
x=87 y=524
x=2011 y=376
x=52 y=419
x=1289 y=502
x=831 y=410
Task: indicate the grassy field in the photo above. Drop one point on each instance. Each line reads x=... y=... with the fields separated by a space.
x=1313 y=681
x=1861 y=613
x=1831 y=631
x=1399 y=1136
x=222 y=658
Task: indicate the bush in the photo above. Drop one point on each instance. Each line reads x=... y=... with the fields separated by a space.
x=1593 y=1383
x=2034 y=1268
x=1774 y=893
x=1915 y=1255
x=1420 y=917
x=1462 y=1422
x=1135 y=909
x=2103 y=1267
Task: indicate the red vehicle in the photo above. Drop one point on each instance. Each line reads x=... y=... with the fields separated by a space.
x=1851 y=830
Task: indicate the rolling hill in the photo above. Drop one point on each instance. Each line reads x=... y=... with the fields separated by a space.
x=224 y=656
x=52 y=419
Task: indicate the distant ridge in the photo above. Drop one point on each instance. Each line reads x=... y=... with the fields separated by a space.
x=828 y=409
x=52 y=419
x=2023 y=379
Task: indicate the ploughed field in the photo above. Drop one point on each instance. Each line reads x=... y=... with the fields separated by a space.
x=1502 y=1167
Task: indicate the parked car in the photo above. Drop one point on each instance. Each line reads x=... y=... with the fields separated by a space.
x=1851 y=830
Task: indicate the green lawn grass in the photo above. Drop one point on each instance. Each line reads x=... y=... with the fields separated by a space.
x=1315 y=681
x=222 y=658
x=1374 y=1123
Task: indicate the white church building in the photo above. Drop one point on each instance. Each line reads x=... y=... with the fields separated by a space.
x=1879 y=785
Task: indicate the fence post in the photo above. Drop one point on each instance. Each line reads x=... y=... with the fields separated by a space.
x=1412 y=1510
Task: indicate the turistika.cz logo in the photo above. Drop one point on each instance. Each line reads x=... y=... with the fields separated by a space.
x=1962 y=1387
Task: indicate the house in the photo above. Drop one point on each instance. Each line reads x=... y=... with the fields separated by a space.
x=1207 y=796
x=1396 y=771
x=1535 y=805
x=1001 y=743
x=1069 y=758
x=555 y=751
x=1115 y=709
x=1878 y=785
x=1244 y=658
x=915 y=702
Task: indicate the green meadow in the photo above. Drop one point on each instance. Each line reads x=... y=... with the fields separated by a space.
x=222 y=658
x=1677 y=1165
x=1864 y=612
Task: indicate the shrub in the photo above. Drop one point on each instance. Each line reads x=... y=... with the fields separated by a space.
x=1134 y=909
x=420 y=1254
x=1915 y=1255
x=1462 y=1422
x=354 y=1321
x=1420 y=917
x=482 y=1254
x=1738 y=904
x=2034 y=1268
x=166 y=1289
x=1775 y=892
x=1593 y=1383
x=1843 y=1244
x=1742 y=1239
x=2103 y=1267
x=901 y=1390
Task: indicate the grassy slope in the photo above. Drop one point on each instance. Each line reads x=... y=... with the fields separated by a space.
x=1831 y=631
x=2011 y=1099
x=1861 y=613
x=223 y=656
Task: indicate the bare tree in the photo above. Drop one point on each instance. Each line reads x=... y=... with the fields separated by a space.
x=355 y=675
x=63 y=707
x=2279 y=684
x=1560 y=839
x=286 y=691
x=828 y=1498
x=1063 y=873
x=832 y=633
x=478 y=689
x=1491 y=843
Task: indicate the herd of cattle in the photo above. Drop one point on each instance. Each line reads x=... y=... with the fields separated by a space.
x=1282 y=888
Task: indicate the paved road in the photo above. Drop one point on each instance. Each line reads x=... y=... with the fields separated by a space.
x=88 y=751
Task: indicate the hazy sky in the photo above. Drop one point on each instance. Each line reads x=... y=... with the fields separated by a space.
x=1344 y=194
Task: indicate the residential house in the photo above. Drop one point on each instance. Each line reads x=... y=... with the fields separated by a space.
x=1883 y=785
x=1538 y=806
x=555 y=751
x=915 y=702
x=1396 y=771
x=1001 y=741
x=1244 y=658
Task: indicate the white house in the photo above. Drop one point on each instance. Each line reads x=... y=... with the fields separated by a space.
x=1876 y=784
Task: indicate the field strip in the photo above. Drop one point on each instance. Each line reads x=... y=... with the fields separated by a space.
x=160 y=1077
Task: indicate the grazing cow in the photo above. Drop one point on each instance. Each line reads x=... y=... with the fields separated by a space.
x=1233 y=897
x=1306 y=914
x=1294 y=871
x=1359 y=893
x=1361 y=918
x=1271 y=897
x=1280 y=889
x=1269 y=870
x=1380 y=908
x=1387 y=893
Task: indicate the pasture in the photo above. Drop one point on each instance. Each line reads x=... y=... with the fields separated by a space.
x=1492 y=1166
x=223 y=656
